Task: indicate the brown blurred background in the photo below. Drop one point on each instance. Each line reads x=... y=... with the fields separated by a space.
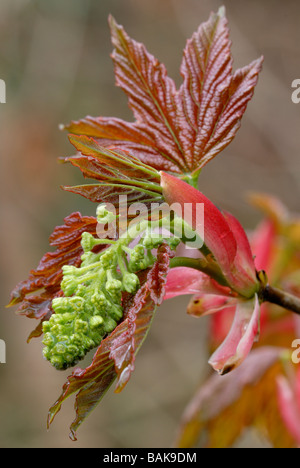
x=54 y=58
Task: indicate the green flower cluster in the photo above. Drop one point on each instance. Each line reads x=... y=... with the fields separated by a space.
x=92 y=302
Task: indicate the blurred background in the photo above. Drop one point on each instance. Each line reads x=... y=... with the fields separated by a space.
x=55 y=60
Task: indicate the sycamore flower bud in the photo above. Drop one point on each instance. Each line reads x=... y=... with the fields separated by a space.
x=110 y=325
x=57 y=361
x=138 y=259
x=69 y=336
x=104 y=216
x=77 y=303
x=152 y=240
x=80 y=326
x=130 y=282
x=70 y=270
x=96 y=321
x=138 y=253
x=108 y=258
x=81 y=290
x=99 y=301
x=87 y=258
x=115 y=311
x=81 y=321
x=87 y=241
x=69 y=285
x=59 y=348
x=113 y=285
x=135 y=266
x=60 y=305
x=48 y=339
x=174 y=242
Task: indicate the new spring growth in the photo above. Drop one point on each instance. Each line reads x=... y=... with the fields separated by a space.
x=92 y=303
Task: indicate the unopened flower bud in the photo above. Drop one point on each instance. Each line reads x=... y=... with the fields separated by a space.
x=104 y=216
x=130 y=282
x=96 y=321
x=87 y=241
x=113 y=285
x=69 y=285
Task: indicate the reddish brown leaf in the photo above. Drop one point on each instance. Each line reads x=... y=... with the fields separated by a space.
x=90 y=383
x=212 y=100
x=117 y=172
x=139 y=313
x=39 y=305
x=150 y=91
x=126 y=135
x=116 y=163
x=157 y=277
x=90 y=167
x=110 y=193
x=38 y=331
x=43 y=284
x=177 y=131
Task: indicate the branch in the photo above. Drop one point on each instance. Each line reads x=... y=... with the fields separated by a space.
x=267 y=293
x=281 y=298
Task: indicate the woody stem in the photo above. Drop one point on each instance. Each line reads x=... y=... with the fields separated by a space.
x=267 y=292
x=281 y=298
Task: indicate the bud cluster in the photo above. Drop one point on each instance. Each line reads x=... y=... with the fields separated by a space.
x=92 y=302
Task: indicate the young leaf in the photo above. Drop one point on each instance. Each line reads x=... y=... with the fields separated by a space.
x=35 y=294
x=212 y=100
x=150 y=91
x=48 y=274
x=181 y=130
x=131 y=137
x=139 y=313
x=117 y=173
